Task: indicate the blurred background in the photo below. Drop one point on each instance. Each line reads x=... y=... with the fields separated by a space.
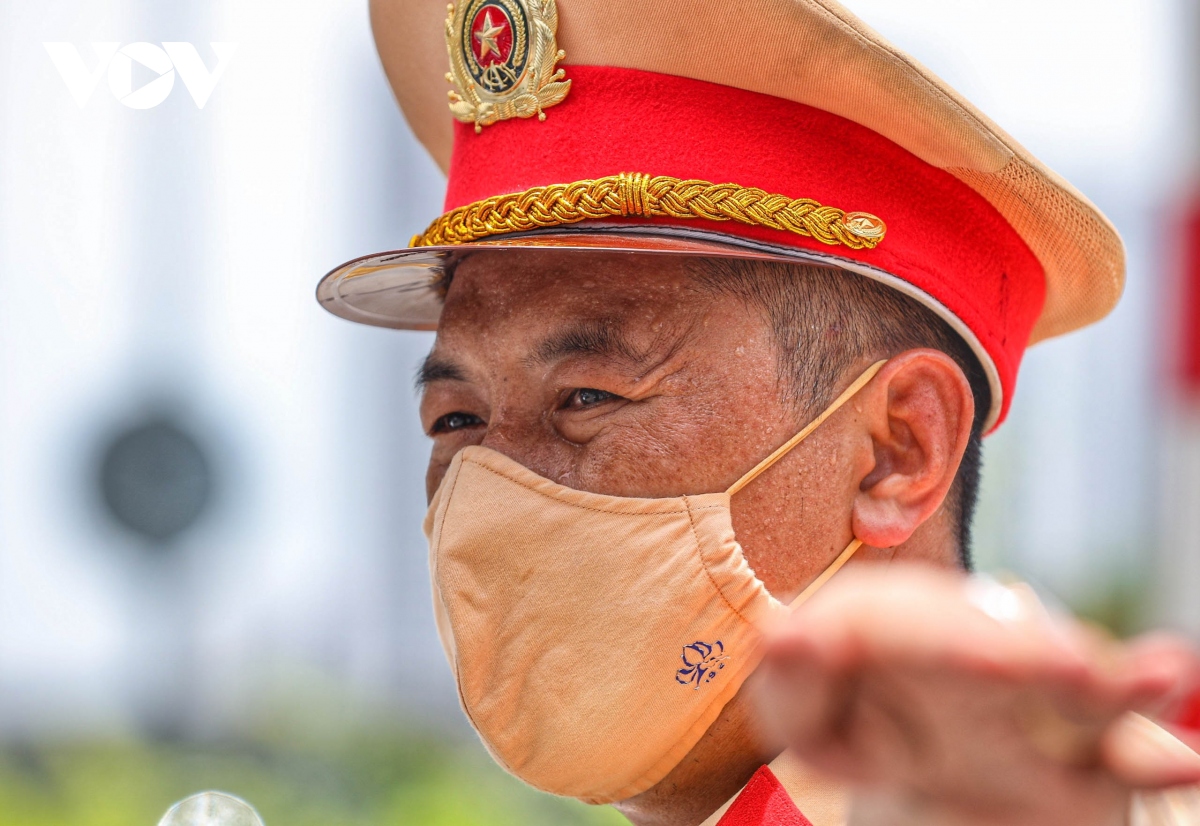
x=211 y=566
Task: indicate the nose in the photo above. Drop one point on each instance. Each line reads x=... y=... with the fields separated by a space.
x=530 y=439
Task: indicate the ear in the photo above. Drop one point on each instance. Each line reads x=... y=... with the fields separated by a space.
x=917 y=414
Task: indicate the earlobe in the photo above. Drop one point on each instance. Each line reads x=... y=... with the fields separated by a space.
x=917 y=417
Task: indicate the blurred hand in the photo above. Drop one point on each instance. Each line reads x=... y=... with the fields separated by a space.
x=942 y=704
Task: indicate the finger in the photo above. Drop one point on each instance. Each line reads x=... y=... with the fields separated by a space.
x=1146 y=756
x=1151 y=675
x=922 y=617
x=806 y=702
x=1162 y=672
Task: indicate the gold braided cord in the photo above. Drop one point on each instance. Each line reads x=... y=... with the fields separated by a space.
x=638 y=195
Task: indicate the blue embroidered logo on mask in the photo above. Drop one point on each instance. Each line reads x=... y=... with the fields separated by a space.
x=701 y=662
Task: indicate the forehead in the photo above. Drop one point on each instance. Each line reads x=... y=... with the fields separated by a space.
x=491 y=291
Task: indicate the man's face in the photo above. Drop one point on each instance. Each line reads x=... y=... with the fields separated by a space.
x=617 y=374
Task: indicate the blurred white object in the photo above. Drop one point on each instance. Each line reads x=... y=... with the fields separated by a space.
x=211 y=809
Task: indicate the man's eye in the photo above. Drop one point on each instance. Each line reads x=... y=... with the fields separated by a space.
x=588 y=397
x=455 y=421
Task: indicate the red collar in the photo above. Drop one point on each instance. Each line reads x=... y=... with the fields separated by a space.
x=1190 y=718
x=764 y=802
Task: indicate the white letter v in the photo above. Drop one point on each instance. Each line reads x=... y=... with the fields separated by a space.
x=199 y=81
x=80 y=82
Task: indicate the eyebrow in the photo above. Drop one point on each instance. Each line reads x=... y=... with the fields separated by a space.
x=599 y=337
x=436 y=368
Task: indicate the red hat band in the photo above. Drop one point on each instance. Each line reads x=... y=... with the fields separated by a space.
x=926 y=232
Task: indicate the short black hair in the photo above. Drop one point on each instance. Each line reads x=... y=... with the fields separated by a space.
x=826 y=320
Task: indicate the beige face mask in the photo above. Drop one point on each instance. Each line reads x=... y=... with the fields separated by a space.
x=595 y=638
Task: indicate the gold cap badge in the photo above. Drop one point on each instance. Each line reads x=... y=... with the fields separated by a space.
x=502 y=59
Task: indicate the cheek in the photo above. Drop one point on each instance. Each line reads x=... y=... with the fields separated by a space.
x=433 y=477
x=690 y=442
x=779 y=537
x=795 y=519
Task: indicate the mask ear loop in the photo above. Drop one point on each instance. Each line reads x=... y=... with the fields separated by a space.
x=827 y=574
x=786 y=447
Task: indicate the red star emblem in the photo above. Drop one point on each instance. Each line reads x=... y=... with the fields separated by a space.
x=491 y=36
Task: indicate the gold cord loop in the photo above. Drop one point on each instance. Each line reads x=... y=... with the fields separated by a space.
x=638 y=195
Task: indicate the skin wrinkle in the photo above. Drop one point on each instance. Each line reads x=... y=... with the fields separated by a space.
x=708 y=408
x=658 y=372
